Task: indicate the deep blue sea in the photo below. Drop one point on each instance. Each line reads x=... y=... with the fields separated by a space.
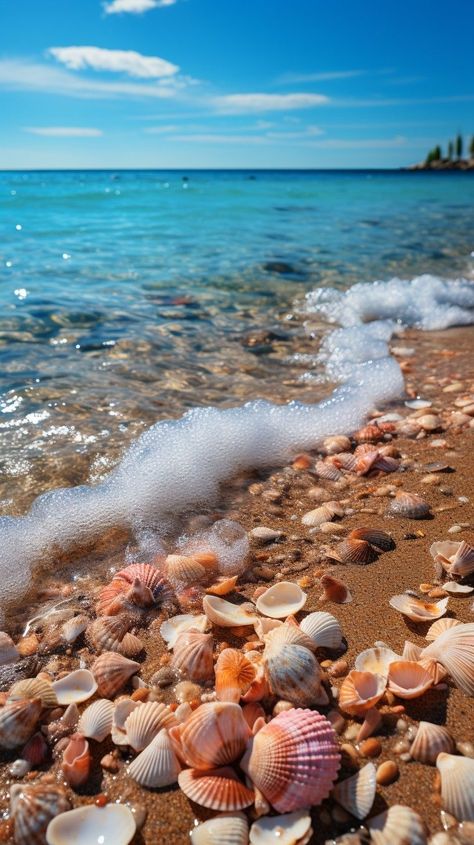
x=127 y=297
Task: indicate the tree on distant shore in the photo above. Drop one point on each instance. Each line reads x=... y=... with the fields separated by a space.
x=450 y=150
x=437 y=153
x=459 y=146
x=471 y=147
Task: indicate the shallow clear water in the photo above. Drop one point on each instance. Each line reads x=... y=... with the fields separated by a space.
x=128 y=297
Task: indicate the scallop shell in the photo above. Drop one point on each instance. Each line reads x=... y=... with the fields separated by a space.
x=157 y=765
x=228 y=615
x=316 y=517
x=408 y=679
x=370 y=433
x=215 y=735
x=34 y=688
x=430 y=740
x=380 y=539
x=73 y=628
x=32 y=807
x=111 y=633
x=146 y=721
x=411 y=651
x=193 y=655
x=408 y=505
x=417 y=609
x=353 y=550
x=148 y=575
x=112 y=671
x=439 y=627
x=234 y=675
x=171 y=628
x=96 y=720
x=457 y=785
x=139 y=585
x=8 y=651
x=18 y=720
x=290 y=829
x=335 y=590
x=281 y=600
x=291 y=669
x=327 y=471
x=122 y=711
x=324 y=630
x=376 y=660
x=113 y=824
x=75 y=687
x=360 y=691
x=76 y=761
x=218 y=789
x=293 y=760
x=225 y=829
x=454 y=649
x=183 y=569
x=356 y=794
x=400 y=825
x=462 y=563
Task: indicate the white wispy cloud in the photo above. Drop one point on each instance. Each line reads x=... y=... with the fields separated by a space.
x=64 y=131
x=135 y=7
x=302 y=139
x=325 y=76
x=114 y=61
x=248 y=103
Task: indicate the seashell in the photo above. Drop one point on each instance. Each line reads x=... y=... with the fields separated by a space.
x=360 y=691
x=228 y=615
x=264 y=625
x=380 y=539
x=462 y=562
x=193 y=655
x=216 y=734
x=372 y=721
x=327 y=471
x=416 y=404
x=113 y=824
x=112 y=671
x=218 y=789
x=455 y=588
x=408 y=505
x=411 y=652
x=457 y=785
x=439 y=627
x=454 y=649
x=107 y=632
x=157 y=765
x=18 y=720
x=290 y=829
x=146 y=721
x=289 y=633
x=234 y=675
x=430 y=740
x=370 y=433
x=356 y=794
x=139 y=585
x=357 y=551
x=34 y=688
x=376 y=660
x=334 y=590
x=184 y=569
x=96 y=720
x=122 y=711
x=324 y=630
x=445 y=551
x=76 y=761
x=73 y=628
x=408 y=679
x=363 y=463
x=417 y=609
x=437 y=672
x=183 y=712
x=170 y=629
x=225 y=829
x=336 y=443
x=316 y=517
x=264 y=535
x=291 y=668
x=222 y=586
x=148 y=575
x=400 y=825
x=36 y=750
x=293 y=760
x=8 y=651
x=386 y=463
x=251 y=712
x=76 y=687
x=32 y=806
x=281 y=600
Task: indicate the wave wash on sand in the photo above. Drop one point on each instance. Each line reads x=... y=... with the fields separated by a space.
x=179 y=464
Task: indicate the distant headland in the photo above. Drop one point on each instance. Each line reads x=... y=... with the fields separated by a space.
x=453 y=160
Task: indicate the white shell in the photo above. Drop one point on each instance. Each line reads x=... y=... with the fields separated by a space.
x=417 y=609
x=430 y=740
x=96 y=720
x=157 y=765
x=8 y=651
x=76 y=687
x=457 y=785
x=439 y=627
x=171 y=628
x=228 y=615
x=73 y=628
x=110 y=825
x=122 y=711
x=224 y=829
x=289 y=829
x=356 y=794
x=323 y=628
x=455 y=588
x=375 y=660
x=400 y=825
x=454 y=649
x=146 y=721
x=281 y=600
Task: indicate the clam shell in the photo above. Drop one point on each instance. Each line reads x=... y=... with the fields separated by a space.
x=96 y=720
x=290 y=829
x=360 y=691
x=454 y=588
x=324 y=630
x=223 y=586
x=335 y=590
x=336 y=443
x=439 y=627
x=171 y=628
x=291 y=669
x=234 y=675
x=281 y=600
x=76 y=687
x=400 y=825
x=430 y=740
x=182 y=570
x=76 y=761
x=214 y=735
x=34 y=688
x=225 y=829
x=218 y=789
x=408 y=505
x=36 y=750
x=73 y=628
x=32 y=807
x=293 y=760
x=264 y=625
x=139 y=585
x=111 y=672
x=353 y=550
x=417 y=609
x=408 y=679
x=316 y=517
x=8 y=651
x=356 y=794
x=376 y=660
x=110 y=825
x=457 y=785
x=146 y=721
x=380 y=539
x=157 y=765
x=454 y=649
x=228 y=615
x=18 y=720
x=193 y=655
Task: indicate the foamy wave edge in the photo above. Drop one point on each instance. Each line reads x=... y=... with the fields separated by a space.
x=180 y=464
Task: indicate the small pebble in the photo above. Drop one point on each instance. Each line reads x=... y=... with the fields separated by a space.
x=351 y=732
x=465 y=748
x=338 y=669
x=387 y=773
x=370 y=747
x=401 y=747
x=401 y=726
x=110 y=763
x=282 y=707
x=455 y=529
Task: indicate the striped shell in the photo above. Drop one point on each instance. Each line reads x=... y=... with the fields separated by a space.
x=224 y=829
x=290 y=829
x=139 y=585
x=171 y=628
x=457 y=558
x=380 y=539
x=218 y=789
x=234 y=675
x=193 y=655
x=75 y=687
x=356 y=794
x=34 y=688
x=408 y=505
x=408 y=679
x=457 y=786
x=96 y=720
x=430 y=740
x=145 y=722
x=439 y=627
x=353 y=550
x=324 y=630
x=281 y=600
x=360 y=691
x=18 y=720
x=292 y=671
x=157 y=765
x=213 y=736
x=112 y=671
x=454 y=649
x=417 y=609
x=400 y=825
x=182 y=570
x=122 y=711
x=111 y=633
x=32 y=807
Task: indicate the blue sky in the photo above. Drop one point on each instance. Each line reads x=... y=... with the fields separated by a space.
x=232 y=83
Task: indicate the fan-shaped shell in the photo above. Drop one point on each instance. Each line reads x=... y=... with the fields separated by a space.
x=324 y=630
x=18 y=720
x=411 y=651
x=183 y=569
x=291 y=670
x=290 y=829
x=111 y=633
x=139 y=585
x=400 y=825
x=218 y=789
x=225 y=829
x=171 y=628
x=193 y=655
x=376 y=660
x=34 y=688
x=112 y=671
x=157 y=765
x=288 y=633
x=32 y=808
x=327 y=471
x=113 y=824
x=457 y=785
x=146 y=721
x=360 y=691
x=75 y=687
x=462 y=563
x=353 y=550
x=281 y=600
x=234 y=675
x=228 y=615
x=408 y=679
x=96 y=720
x=214 y=735
x=122 y=711
x=264 y=625
x=316 y=517
x=8 y=651
x=335 y=590
x=454 y=649
x=380 y=539
x=293 y=760
x=76 y=761
x=150 y=576
x=417 y=609
x=439 y=627
x=430 y=740
x=356 y=794
x=409 y=506
x=73 y=628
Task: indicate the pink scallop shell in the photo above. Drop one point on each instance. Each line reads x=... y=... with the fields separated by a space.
x=218 y=789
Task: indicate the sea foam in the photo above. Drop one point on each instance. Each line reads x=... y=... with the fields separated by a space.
x=179 y=465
